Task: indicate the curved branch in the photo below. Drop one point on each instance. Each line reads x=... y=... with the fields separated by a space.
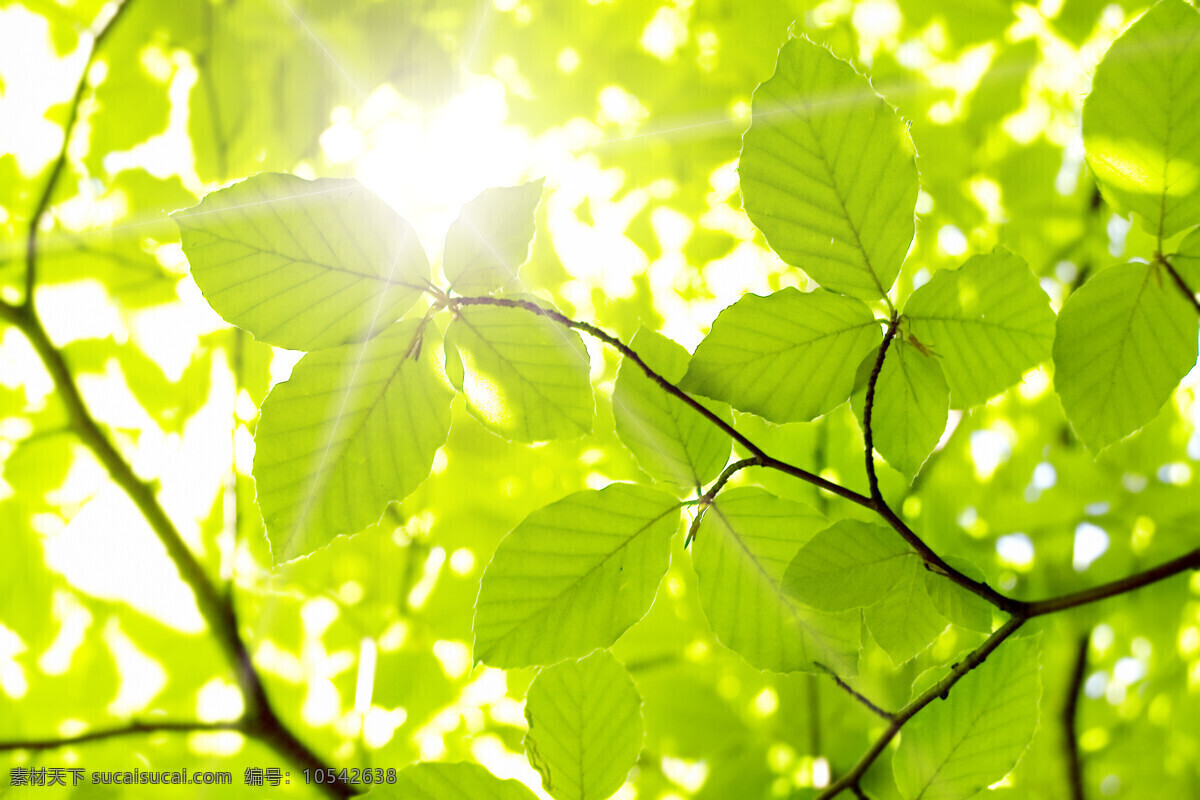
x=1070 y=718
x=135 y=728
x=869 y=409
x=940 y=689
x=1183 y=563
x=43 y=202
x=707 y=498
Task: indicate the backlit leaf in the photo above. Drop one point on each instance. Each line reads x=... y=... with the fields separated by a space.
x=905 y=621
x=355 y=428
x=1125 y=339
x=303 y=264
x=850 y=564
x=573 y=576
x=789 y=357
x=489 y=241
x=585 y=727
x=828 y=173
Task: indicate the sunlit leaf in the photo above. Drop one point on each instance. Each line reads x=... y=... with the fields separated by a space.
x=489 y=241
x=1125 y=339
x=788 y=357
x=573 y=576
x=1141 y=121
x=744 y=544
x=1187 y=260
x=671 y=441
x=450 y=781
x=524 y=376
x=911 y=405
x=956 y=603
x=957 y=747
x=987 y=321
x=354 y=428
x=828 y=173
x=905 y=621
x=585 y=727
x=303 y=264
x=850 y=564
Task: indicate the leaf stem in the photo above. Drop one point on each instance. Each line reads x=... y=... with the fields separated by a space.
x=706 y=499
x=60 y=162
x=939 y=690
x=1159 y=258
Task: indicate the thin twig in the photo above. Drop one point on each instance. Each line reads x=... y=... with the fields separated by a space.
x=869 y=408
x=60 y=162
x=1179 y=281
x=874 y=709
x=708 y=497
x=135 y=728
x=940 y=689
x=1104 y=591
x=1070 y=719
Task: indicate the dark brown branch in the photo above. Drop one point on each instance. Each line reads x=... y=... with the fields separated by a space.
x=874 y=709
x=60 y=162
x=1130 y=583
x=869 y=409
x=1179 y=281
x=1070 y=719
x=136 y=728
x=940 y=689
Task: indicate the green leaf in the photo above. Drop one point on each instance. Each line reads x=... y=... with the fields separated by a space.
x=850 y=564
x=745 y=542
x=905 y=621
x=828 y=173
x=963 y=608
x=354 y=428
x=912 y=403
x=456 y=781
x=1187 y=260
x=303 y=264
x=669 y=438
x=585 y=727
x=1141 y=122
x=524 y=376
x=988 y=321
x=489 y=241
x=956 y=748
x=1125 y=339
x=573 y=576
x=789 y=356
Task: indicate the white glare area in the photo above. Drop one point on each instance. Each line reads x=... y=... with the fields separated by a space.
x=687 y=775
x=429 y=575
x=821 y=772
x=279 y=662
x=170 y=334
x=951 y=241
x=1102 y=637
x=74 y=620
x=317 y=615
x=110 y=531
x=1176 y=474
x=1034 y=384
x=877 y=22
x=1091 y=541
x=920 y=278
x=1016 y=549
x=1118 y=227
x=667 y=30
x=1129 y=670
x=1044 y=476
x=141 y=676
x=282 y=364
x=462 y=561
x=1095 y=685
x=322 y=703
x=218 y=700
x=989 y=449
x=79 y=310
x=766 y=702
x=12 y=675
x=365 y=684
x=455 y=657
x=1133 y=482
x=489 y=752
x=568 y=60
x=379 y=725
x=26 y=132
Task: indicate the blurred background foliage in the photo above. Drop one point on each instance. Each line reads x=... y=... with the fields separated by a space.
x=633 y=110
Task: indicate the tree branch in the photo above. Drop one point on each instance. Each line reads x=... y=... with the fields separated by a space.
x=940 y=689
x=707 y=498
x=874 y=709
x=43 y=203
x=1179 y=281
x=1104 y=591
x=1070 y=717
x=135 y=728
x=869 y=408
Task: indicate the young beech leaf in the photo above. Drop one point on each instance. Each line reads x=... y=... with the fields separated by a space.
x=850 y=564
x=524 y=377
x=957 y=747
x=450 y=781
x=988 y=321
x=489 y=241
x=828 y=173
x=1187 y=261
x=744 y=544
x=789 y=356
x=585 y=727
x=911 y=405
x=1125 y=340
x=573 y=576
x=905 y=621
x=669 y=438
x=955 y=603
x=303 y=264
x=353 y=429
x=1141 y=121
